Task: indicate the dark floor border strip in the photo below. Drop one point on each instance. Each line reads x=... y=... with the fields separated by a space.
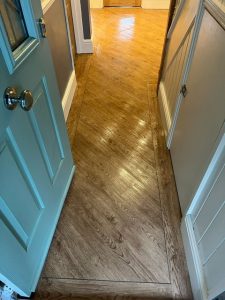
x=106 y=280
x=150 y=98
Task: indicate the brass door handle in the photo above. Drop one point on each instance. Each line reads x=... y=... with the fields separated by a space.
x=11 y=100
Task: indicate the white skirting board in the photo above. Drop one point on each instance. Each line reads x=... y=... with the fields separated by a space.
x=96 y=4
x=69 y=94
x=87 y=46
x=164 y=109
x=155 y=4
x=193 y=260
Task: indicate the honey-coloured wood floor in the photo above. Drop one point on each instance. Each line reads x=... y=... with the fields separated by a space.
x=119 y=233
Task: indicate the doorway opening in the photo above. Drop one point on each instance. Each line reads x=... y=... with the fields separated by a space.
x=165 y=5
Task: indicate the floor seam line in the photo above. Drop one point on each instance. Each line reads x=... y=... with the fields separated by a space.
x=112 y=281
x=157 y=178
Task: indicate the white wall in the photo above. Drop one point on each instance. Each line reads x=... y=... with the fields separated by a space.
x=148 y=4
x=96 y=3
x=155 y=4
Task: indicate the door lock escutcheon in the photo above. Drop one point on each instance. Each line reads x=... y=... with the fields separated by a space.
x=25 y=100
x=43 y=28
x=184 y=90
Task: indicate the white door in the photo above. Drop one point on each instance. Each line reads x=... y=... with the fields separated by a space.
x=178 y=48
x=202 y=111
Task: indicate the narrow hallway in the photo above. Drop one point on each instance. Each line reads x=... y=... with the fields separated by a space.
x=119 y=232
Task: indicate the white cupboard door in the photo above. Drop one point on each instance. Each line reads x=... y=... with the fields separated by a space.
x=202 y=111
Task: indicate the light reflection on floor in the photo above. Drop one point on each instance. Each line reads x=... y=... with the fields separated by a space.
x=126 y=28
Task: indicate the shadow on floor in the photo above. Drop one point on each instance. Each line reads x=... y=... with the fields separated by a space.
x=101 y=297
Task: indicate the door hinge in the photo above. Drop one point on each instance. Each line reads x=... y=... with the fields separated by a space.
x=42 y=26
x=6 y=293
x=183 y=90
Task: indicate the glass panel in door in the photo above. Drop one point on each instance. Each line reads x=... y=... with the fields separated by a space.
x=13 y=19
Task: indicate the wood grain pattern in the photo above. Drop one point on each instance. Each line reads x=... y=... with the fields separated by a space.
x=107 y=290
x=118 y=236
x=180 y=282
x=122 y=2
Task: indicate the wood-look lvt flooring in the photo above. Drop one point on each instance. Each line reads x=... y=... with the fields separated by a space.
x=118 y=236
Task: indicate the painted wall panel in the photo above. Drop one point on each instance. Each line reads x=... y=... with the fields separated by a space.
x=155 y=4
x=96 y=3
x=71 y=27
x=59 y=43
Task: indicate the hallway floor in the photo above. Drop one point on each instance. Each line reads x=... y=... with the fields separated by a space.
x=118 y=236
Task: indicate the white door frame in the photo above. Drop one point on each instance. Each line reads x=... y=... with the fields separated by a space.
x=83 y=45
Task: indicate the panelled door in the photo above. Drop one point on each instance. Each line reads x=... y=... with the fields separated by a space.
x=122 y=2
x=202 y=111
x=36 y=164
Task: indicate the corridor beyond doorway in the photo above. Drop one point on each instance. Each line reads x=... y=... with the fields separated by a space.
x=119 y=233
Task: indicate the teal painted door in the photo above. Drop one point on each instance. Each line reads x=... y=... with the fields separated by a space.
x=36 y=164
